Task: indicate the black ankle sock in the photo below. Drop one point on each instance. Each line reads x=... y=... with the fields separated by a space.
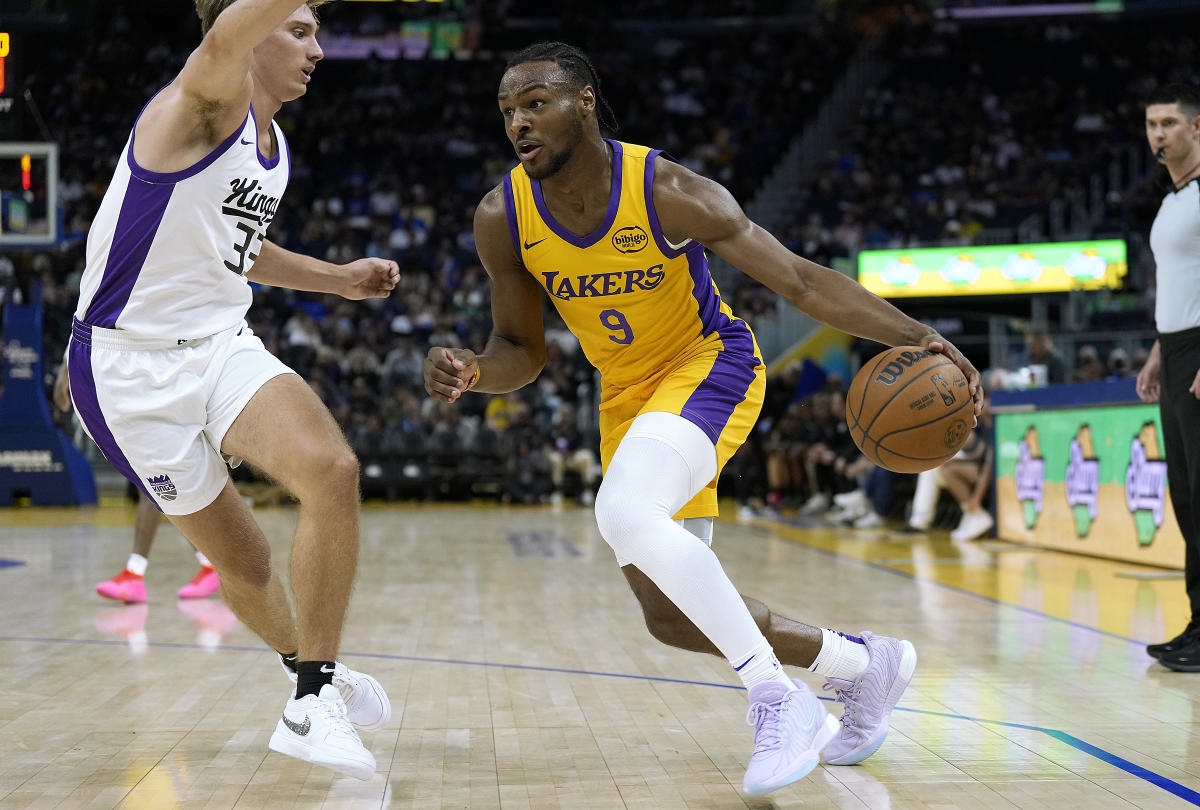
x=311 y=676
x=288 y=660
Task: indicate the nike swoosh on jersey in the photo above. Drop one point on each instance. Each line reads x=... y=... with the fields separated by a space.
x=529 y=245
x=246 y=142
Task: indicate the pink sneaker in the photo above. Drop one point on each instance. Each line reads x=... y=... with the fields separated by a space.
x=205 y=583
x=125 y=587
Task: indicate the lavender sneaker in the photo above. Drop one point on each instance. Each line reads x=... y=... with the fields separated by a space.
x=790 y=729
x=869 y=700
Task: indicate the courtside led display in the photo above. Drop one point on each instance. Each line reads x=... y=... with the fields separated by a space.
x=993 y=269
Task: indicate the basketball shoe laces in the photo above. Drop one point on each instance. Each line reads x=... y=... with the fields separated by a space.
x=765 y=719
x=335 y=712
x=850 y=697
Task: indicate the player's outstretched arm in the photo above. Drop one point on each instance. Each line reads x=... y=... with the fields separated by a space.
x=516 y=349
x=211 y=95
x=693 y=207
x=364 y=278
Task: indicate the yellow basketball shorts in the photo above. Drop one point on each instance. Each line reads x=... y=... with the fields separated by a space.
x=721 y=392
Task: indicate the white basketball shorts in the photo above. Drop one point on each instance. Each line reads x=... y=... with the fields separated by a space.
x=159 y=409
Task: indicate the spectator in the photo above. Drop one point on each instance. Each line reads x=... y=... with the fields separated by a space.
x=1041 y=352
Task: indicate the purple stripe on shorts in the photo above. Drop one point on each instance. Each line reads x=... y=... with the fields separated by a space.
x=614 y=201
x=141 y=213
x=652 y=214
x=87 y=405
x=725 y=387
x=510 y=209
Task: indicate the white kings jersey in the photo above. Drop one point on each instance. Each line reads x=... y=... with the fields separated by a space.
x=168 y=253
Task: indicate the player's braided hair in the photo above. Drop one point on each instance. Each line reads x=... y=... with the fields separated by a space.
x=576 y=64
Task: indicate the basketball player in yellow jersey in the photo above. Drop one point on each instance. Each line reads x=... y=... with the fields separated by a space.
x=615 y=234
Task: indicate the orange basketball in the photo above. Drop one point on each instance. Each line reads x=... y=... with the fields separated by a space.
x=909 y=409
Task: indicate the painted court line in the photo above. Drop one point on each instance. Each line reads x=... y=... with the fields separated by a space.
x=1185 y=793
x=876 y=566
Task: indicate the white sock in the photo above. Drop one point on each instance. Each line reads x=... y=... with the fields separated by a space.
x=841 y=656
x=761 y=666
x=137 y=565
x=203 y=560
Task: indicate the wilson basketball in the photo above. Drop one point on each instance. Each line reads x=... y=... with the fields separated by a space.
x=909 y=409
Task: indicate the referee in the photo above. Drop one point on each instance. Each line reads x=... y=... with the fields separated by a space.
x=1171 y=376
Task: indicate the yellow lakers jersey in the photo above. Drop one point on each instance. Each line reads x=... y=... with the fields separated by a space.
x=638 y=304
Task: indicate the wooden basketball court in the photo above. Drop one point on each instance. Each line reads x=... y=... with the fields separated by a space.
x=521 y=675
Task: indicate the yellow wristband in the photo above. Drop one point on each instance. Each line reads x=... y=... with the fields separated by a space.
x=474 y=380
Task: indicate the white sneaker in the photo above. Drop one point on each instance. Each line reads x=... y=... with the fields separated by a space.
x=367 y=705
x=790 y=729
x=871 y=520
x=846 y=515
x=818 y=502
x=854 y=497
x=315 y=729
x=972 y=525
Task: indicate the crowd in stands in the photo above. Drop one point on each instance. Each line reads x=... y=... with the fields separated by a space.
x=390 y=157
x=1032 y=112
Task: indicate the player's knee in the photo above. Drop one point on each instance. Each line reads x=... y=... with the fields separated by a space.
x=619 y=510
x=247 y=572
x=343 y=467
x=330 y=472
x=609 y=518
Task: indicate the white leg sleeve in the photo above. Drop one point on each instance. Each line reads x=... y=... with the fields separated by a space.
x=660 y=464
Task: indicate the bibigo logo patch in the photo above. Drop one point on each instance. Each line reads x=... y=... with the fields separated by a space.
x=630 y=240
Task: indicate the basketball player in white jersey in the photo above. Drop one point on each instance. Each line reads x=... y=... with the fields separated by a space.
x=168 y=379
x=129 y=586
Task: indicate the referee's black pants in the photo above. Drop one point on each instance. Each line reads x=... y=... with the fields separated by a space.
x=1180 y=412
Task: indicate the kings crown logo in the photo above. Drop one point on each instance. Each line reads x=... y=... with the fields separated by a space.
x=162 y=486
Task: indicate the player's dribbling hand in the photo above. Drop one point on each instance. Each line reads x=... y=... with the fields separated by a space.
x=369 y=278
x=448 y=372
x=937 y=343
